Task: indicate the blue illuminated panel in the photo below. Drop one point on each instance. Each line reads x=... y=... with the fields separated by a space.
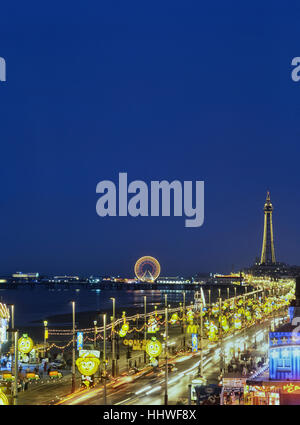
x=284 y=363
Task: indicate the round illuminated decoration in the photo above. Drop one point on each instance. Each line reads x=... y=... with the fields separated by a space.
x=153 y=348
x=153 y=361
x=88 y=365
x=174 y=318
x=25 y=344
x=147 y=269
x=3 y=399
x=125 y=327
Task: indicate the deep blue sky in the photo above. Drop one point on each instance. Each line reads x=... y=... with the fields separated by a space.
x=160 y=90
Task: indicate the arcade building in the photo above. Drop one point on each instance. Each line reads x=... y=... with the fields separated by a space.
x=282 y=384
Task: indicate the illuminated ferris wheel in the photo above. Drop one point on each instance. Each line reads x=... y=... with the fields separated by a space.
x=147 y=269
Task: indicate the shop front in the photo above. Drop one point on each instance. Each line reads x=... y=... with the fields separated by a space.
x=272 y=393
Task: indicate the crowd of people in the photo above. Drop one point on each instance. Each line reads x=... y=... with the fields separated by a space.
x=245 y=367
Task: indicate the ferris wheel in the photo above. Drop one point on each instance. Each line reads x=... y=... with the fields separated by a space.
x=147 y=269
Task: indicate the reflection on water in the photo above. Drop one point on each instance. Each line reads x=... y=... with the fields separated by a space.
x=38 y=303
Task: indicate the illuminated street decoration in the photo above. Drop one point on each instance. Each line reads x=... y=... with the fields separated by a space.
x=25 y=344
x=174 y=318
x=258 y=314
x=153 y=347
x=153 y=361
x=248 y=315
x=212 y=332
x=147 y=269
x=92 y=353
x=237 y=322
x=88 y=364
x=3 y=399
x=194 y=343
x=190 y=316
x=8 y=377
x=215 y=310
x=224 y=324
x=4 y=319
x=125 y=327
x=136 y=344
x=79 y=340
x=153 y=326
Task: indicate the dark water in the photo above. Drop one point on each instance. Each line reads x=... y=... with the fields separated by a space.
x=32 y=306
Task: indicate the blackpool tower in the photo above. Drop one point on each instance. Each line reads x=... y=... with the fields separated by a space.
x=268 y=251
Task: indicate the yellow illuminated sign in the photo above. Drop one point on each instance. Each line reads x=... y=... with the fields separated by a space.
x=291 y=388
x=25 y=344
x=174 y=318
x=192 y=329
x=153 y=348
x=88 y=365
x=136 y=344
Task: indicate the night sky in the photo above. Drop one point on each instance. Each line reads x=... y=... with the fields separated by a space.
x=160 y=90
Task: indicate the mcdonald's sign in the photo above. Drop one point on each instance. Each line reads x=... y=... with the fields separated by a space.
x=192 y=329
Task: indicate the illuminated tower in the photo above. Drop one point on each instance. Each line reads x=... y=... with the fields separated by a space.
x=268 y=252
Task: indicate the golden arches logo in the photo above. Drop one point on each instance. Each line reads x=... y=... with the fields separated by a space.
x=192 y=329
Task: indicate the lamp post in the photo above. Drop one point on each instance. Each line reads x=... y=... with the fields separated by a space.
x=15 y=392
x=104 y=357
x=184 y=325
x=12 y=316
x=145 y=324
x=95 y=333
x=45 y=336
x=201 y=340
x=244 y=324
x=166 y=351
x=73 y=349
x=209 y=304
x=221 y=337
x=12 y=308
x=114 y=362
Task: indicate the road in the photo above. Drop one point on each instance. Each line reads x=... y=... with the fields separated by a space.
x=149 y=389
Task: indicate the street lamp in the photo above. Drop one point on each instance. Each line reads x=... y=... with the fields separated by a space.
x=95 y=333
x=12 y=307
x=114 y=362
x=73 y=349
x=45 y=336
x=104 y=356
x=221 y=337
x=166 y=351
x=14 y=366
x=145 y=325
x=201 y=339
x=184 y=320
